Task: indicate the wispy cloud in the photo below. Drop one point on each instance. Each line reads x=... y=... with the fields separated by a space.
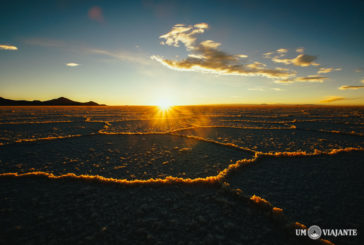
x=330 y=99
x=205 y=56
x=347 y=87
x=71 y=64
x=8 y=47
x=268 y=55
x=285 y=81
x=262 y=89
x=115 y=54
x=120 y=55
x=327 y=70
x=309 y=78
x=95 y=13
x=300 y=50
x=243 y=56
x=324 y=70
x=277 y=54
x=282 y=50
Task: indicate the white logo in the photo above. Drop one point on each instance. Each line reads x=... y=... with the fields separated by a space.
x=314 y=232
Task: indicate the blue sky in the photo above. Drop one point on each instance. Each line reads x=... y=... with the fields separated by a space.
x=145 y=52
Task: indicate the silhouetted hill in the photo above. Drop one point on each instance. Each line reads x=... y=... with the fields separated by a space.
x=62 y=101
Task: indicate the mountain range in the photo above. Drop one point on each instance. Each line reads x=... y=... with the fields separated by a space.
x=61 y=101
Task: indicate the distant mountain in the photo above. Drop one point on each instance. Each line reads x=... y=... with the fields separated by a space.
x=62 y=101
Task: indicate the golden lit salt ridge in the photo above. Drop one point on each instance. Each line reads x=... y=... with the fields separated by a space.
x=224 y=192
x=138 y=156
x=285 y=188
x=277 y=139
x=171 y=179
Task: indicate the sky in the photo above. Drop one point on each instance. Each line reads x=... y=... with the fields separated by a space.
x=183 y=52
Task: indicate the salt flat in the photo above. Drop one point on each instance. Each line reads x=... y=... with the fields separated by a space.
x=95 y=174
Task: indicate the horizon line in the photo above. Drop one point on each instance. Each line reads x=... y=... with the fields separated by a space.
x=207 y=104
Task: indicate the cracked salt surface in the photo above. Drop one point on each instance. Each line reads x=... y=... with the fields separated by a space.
x=202 y=149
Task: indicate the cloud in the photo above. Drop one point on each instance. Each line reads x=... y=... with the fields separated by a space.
x=282 y=50
x=120 y=55
x=95 y=13
x=185 y=35
x=301 y=60
x=72 y=64
x=327 y=70
x=309 y=78
x=282 y=69
x=206 y=57
x=332 y=99
x=201 y=26
x=268 y=55
x=277 y=89
x=300 y=50
x=8 y=47
x=210 y=44
x=243 y=56
x=347 y=87
x=285 y=81
x=256 y=65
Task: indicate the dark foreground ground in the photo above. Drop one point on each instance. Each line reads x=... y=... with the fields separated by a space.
x=39 y=210
x=306 y=161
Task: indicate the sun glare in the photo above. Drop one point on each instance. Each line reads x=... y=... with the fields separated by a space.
x=164 y=105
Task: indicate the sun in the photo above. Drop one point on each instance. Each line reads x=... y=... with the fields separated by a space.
x=164 y=105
